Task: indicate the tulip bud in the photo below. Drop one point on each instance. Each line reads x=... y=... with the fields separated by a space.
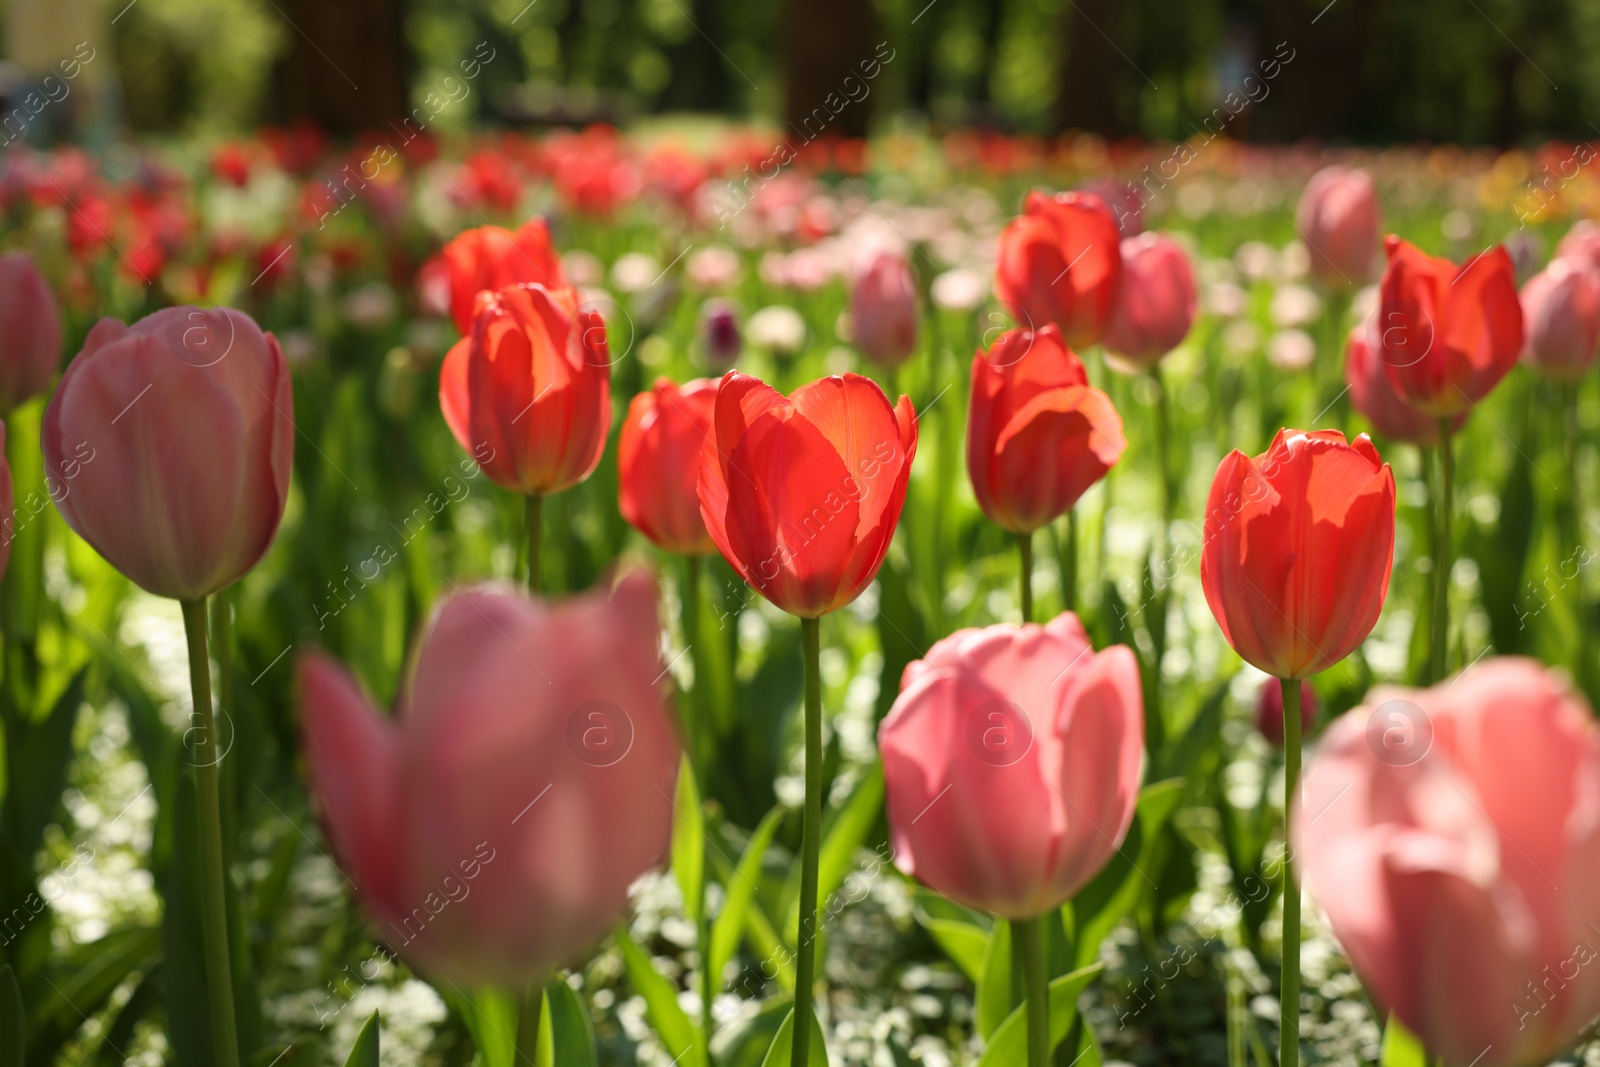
x=30 y=332
x=1338 y=218
x=1298 y=546
x=1011 y=763
x=190 y=417
x=492 y=826
x=1038 y=434
x=721 y=329
x=529 y=392
x=491 y=257
x=1450 y=836
x=1155 y=303
x=1269 y=710
x=658 y=464
x=1059 y=262
x=1561 y=313
x=801 y=494
x=883 y=310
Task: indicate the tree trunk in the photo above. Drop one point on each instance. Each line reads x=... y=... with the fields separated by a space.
x=828 y=41
x=346 y=67
x=1092 y=73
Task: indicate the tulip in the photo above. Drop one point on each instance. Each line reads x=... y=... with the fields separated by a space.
x=492 y=825
x=1374 y=396
x=1338 y=219
x=658 y=464
x=1060 y=262
x=1561 y=310
x=1011 y=763
x=1269 y=709
x=188 y=419
x=721 y=327
x=1451 y=837
x=30 y=332
x=883 y=309
x=1448 y=334
x=1582 y=243
x=1155 y=303
x=492 y=257
x=529 y=394
x=801 y=495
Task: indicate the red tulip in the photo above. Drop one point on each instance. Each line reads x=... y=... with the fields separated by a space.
x=1338 y=219
x=658 y=464
x=1448 y=334
x=1452 y=837
x=1269 y=710
x=492 y=257
x=493 y=824
x=1011 y=764
x=529 y=392
x=1155 y=303
x=1059 y=262
x=1373 y=394
x=1298 y=544
x=30 y=332
x=1561 y=310
x=1038 y=434
x=188 y=416
x=883 y=310
x=801 y=494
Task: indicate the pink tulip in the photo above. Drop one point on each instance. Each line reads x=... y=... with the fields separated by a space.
x=1155 y=305
x=1582 y=243
x=30 y=332
x=493 y=824
x=1338 y=219
x=1452 y=836
x=1374 y=395
x=1011 y=760
x=189 y=419
x=883 y=309
x=1561 y=314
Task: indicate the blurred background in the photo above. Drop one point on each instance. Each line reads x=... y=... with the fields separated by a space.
x=1497 y=72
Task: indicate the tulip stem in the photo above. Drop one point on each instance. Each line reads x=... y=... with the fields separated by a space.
x=1025 y=579
x=213 y=874
x=535 y=539
x=1289 y=1004
x=1027 y=936
x=1439 y=662
x=811 y=843
x=1067 y=560
x=528 y=1020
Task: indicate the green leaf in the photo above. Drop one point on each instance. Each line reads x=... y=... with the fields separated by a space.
x=740 y=889
x=490 y=1017
x=680 y=1037
x=851 y=823
x=1401 y=1048
x=1103 y=903
x=13 y=1029
x=689 y=842
x=960 y=931
x=364 y=1053
x=779 y=1053
x=566 y=1039
x=996 y=998
x=45 y=751
x=744 y=1042
x=1008 y=1045
x=80 y=981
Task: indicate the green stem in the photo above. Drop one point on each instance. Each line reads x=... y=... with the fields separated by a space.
x=1067 y=561
x=11 y=720
x=1439 y=662
x=222 y=652
x=1289 y=1003
x=213 y=875
x=531 y=1008
x=1027 y=936
x=1169 y=497
x=535 y=532
x=810 y=846
x=1025 y=577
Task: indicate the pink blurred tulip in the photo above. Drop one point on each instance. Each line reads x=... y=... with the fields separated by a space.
x=1561 y=316
x=1373 y=394
x=1452 y=836
x=1269 y=709
x=1582 y=243
x=1155 y=305
x=493 y=824
x=883 y=309
x=189 y=416
x=1338 y=219
x=30 y=332
x=1012 y=760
